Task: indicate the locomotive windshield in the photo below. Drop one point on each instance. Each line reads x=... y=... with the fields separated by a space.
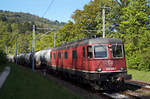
x=100 y=51
x=117 y=51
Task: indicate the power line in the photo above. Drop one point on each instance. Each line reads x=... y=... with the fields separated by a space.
x=48 y=8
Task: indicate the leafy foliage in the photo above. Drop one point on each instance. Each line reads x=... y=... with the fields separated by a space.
x=16 y=31
x=134 y=30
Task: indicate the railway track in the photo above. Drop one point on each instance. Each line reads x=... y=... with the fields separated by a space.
x=140 y=84
x=82 y=90
x=137 y=89
x=132 y=92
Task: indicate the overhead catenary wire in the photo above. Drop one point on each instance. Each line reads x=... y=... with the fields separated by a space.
x=48 y=8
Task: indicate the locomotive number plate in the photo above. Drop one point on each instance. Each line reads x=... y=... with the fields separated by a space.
x=110 y=68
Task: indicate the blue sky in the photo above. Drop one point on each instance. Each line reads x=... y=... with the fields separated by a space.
x=60 y=10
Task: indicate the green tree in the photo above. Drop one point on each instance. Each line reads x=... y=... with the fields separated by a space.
x=133 y=29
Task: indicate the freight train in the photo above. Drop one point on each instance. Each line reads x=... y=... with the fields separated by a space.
x=99 y=62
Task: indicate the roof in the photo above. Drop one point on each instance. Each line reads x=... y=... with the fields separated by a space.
x=105 y=40
x=90 y=41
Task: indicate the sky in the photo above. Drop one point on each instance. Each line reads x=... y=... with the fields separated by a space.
x=60 y=10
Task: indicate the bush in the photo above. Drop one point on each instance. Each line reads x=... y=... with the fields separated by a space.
x=139 y=60
x=3 y=57
x=145 y=60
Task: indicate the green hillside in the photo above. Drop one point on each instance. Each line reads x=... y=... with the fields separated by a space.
x=27 y=17
x=16 y=27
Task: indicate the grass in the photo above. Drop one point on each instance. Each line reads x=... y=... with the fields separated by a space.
x=22 y=83
x=139 y=75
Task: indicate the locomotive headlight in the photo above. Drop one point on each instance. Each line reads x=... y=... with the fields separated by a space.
x=99 y=69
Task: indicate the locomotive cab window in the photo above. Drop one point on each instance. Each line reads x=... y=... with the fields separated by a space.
x=89 y=52
x=100 y=51
x=117 y=51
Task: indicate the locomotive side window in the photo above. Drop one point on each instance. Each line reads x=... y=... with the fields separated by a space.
x=100 y=51
x=74 y=54
x=83 y=51
x=54 y=55
x=66 y=55
x=89 y=52
x=59 y=55
x=117 y=51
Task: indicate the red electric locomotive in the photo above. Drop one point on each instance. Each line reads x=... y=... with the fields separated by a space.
x=98 y=61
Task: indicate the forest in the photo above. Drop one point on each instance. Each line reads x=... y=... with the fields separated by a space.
x=128 y=20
